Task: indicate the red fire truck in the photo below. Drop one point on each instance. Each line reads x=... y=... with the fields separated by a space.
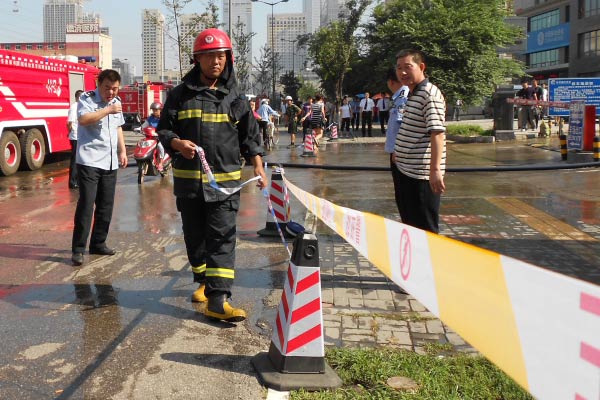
x=35 y=94
x=136 y=101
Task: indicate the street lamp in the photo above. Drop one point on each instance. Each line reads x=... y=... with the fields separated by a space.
x=293 y=53
x=273 y=4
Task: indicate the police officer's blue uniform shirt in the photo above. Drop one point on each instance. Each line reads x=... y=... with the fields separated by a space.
x=97 y=143
x=399 y=100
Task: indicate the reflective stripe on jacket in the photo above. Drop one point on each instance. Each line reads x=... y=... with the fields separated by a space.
x=221 y=122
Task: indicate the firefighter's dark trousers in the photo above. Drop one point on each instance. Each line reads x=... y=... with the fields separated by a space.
x=209 y=232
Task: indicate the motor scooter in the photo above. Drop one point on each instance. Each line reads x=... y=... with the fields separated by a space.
x=147 y=156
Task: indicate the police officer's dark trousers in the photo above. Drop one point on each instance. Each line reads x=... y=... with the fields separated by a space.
x=209 y=231
x=96 y=187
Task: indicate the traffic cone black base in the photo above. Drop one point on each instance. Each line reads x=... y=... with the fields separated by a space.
x=272 y=378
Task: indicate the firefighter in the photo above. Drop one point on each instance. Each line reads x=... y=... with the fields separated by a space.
x=209 y=111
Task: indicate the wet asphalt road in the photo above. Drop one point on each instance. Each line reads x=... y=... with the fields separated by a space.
x=123 y=327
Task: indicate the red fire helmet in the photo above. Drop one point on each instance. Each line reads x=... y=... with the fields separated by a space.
x=212 y=39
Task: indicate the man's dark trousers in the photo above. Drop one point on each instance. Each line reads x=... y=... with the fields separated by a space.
x=73 y=165
x=367 y=119
x=96 y=187
x=383 y=118
x=417 y=204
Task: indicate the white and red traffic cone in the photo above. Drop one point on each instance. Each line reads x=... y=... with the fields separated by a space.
x=296 y=357
x=279 y=198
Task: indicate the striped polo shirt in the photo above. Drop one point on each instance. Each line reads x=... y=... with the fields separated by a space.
x=424 y=112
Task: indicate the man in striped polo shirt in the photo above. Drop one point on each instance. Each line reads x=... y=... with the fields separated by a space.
x=420 y=149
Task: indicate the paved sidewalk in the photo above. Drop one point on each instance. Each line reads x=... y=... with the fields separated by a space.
x=362 y=308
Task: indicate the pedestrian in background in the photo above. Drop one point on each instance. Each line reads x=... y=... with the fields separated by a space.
x=456 y=111
x=207 y=116
x=366 y=114
x=420 y=151
x=303 y=120
x=72 y=128
x=317 y=118
x=100 y=151
x=355 y=108
x=266 y=113
x=346 y=116
x=383 y=105
x=292 y=112
x=398 y=102
x=526 y=111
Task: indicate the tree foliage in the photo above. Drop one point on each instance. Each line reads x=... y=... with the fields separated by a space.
x=333 y=48
x=198 y=22
x=264 y=71
x=291 y=84
x=241 y=49
x=460 y=39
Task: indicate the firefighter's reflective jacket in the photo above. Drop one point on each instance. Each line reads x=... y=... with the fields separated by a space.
x=220 y=121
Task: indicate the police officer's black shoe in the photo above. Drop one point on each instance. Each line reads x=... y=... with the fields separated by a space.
x=218 y=308
x=77 y=259
x=103 y=251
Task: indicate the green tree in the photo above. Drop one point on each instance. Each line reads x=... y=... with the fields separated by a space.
x=460 y=39
x=264 y=71
x=196 y=23
x=334 y=47
x=241 y=50
x=306 y=89
x=290 y=83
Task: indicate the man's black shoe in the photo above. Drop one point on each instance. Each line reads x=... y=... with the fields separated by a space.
x=77 y=259
x=73 y=186
x=103 y=251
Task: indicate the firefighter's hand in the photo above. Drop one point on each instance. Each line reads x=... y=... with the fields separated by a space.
x=187 y=148
x=262 y=182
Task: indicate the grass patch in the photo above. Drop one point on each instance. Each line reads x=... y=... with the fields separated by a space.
x=464 y=130
x=410 y=316
x=441 y=375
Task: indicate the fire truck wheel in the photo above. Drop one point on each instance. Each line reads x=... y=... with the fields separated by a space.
x=33 y=149
x=10 y=153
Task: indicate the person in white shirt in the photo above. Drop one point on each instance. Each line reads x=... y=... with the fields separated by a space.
x=366 y=109
x=346 y=116
x=383 y=105
x=72 y=128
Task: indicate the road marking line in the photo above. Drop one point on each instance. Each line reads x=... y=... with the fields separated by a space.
x=275 y=395
x=544 y=223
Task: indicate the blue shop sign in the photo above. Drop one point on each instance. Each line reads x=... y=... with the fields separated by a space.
x=548 y=39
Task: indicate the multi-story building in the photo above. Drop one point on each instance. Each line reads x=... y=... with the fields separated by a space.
x=189 y=29
x=241 y=13
x=83 y=42
x=312 y=13
x=563 y=37
x=331 y=11
x=57 y=15
x=153 y=45
x=286 y=29
x=125 y=69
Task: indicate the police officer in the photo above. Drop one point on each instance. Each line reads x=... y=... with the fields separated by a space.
x=209 y=111
x=100 y=151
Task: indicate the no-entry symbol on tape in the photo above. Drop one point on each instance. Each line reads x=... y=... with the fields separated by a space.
x=405 y=255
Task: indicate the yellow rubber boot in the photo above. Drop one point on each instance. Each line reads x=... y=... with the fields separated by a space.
x=220 y=309
x=198 y=296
